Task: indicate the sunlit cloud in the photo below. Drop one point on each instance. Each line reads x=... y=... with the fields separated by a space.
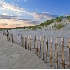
x=11 y=7
x=44 y=15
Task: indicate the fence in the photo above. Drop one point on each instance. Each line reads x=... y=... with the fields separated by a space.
x=43 y=48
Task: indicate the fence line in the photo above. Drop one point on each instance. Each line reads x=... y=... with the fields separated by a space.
x=40 y=44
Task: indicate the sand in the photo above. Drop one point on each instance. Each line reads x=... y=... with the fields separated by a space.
x=13 y=56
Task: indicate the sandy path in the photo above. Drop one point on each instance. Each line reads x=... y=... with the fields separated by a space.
x=14 y=56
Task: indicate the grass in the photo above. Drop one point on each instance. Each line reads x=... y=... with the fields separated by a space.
x=59 y=26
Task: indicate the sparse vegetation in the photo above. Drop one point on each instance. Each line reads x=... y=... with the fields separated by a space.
x=59 y=26
x=48 y=22
x=68 y=17
x=59 y=19
x=30 y=27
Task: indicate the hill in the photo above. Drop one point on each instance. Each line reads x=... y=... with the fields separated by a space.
x=56 y=23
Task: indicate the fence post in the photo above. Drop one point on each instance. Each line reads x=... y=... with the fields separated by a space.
x=69 y=52
x=46 y=47
x=42 y=41
x=62 y=44
x=12 y=38
x=25 y=42
x=34 y=42
x=21 y=40
x=51 y=53
x=56 y=53
x=37 y=45
x=40 y=47
x=30 y=42
x=7 y=35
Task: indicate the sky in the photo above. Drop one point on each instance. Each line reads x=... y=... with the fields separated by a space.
x=36 y=11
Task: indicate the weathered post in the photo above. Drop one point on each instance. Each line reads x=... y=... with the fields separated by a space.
x=37 y=45
x=34 y=42
x=69 y=52
x=30 y=42
x=21 y=40
x=46 y=47
x=51 y=53
x=40 y=47
x=7 y=35
x=63 y=61
x=12 y=38
x=25 y=42
x=3 y=32
x=56 y=53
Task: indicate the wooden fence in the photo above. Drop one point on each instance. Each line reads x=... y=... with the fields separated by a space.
x=39 y=46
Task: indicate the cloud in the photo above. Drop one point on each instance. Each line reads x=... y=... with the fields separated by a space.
x=11 y=7
x=7 y=17
x=43 y=15
x=5 y=14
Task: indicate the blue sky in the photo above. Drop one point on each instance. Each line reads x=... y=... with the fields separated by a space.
x=35 y=10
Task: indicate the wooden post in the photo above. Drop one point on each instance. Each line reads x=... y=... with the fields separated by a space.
x=30 y=42
x=56 y=53
x=7 y=35
x=43 y=48
x=12 y=38
x=51 y=53
x=25 y=42
x=62 y=44
x=34 y=41
x=37 y=45
x=21 y=41
x=40 y=47
x=46 y=47
x=69 y=52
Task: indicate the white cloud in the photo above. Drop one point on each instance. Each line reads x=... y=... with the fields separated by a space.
x=11 y=7
x=40 y=16
x=5 y=14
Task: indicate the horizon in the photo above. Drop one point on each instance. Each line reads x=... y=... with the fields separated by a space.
x=33 y=11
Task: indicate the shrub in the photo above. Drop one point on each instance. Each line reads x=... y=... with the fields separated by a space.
x=48 y=22
x=59 y=26
x=59 y=19
x=68 y=17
